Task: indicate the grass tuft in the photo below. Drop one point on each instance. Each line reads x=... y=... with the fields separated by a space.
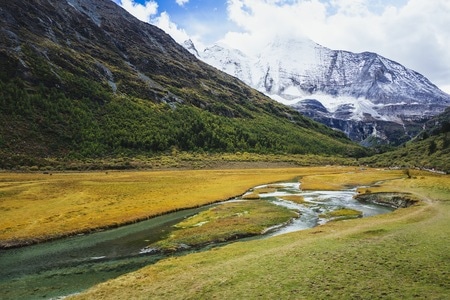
x=342 y=214
x=225 y=222
x=294 y=198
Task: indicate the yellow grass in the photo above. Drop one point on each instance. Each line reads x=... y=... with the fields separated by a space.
x=294 y=198
x=37 y=207
x=340 y=180
x=400 y=255
x=422 y=184
x=265 y=190
x=251 y=196
x=342 y=213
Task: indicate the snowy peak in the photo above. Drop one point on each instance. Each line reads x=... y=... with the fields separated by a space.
x=352 y=87
x=231 y=61
x=189 y=45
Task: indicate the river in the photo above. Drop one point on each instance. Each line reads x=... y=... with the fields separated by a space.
x=57 y=268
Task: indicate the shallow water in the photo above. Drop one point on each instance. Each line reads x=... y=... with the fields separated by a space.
x=73 y=264
x=70 y=265
x=316 y=203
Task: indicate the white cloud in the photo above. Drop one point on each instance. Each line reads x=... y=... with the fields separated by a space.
x=261 y=21
x=350 y=7
x=412 y=32
x=148 y=12
x=181 y=2
x=143 y=12
x=164 y=22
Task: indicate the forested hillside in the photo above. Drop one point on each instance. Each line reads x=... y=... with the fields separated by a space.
x=84 y=78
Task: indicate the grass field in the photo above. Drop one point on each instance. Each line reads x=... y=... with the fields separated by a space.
x=37 y=207
x=401 y=255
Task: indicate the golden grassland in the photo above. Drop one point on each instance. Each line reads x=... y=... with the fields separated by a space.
x=251 y=196
x=265 y=190
x=339 y=180
x=401 y=255
x=294 y=198
x=36 y=206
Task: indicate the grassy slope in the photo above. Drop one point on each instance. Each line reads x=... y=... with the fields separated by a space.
x=417 y=154
x=399 y=255
x=430 y=149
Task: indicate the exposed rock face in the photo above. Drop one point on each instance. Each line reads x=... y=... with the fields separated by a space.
x=189 y=45
x=98 y=29
x=363 y=94
x=368 y=131
x=394 y=200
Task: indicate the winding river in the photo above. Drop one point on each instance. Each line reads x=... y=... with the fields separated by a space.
x=66 y=266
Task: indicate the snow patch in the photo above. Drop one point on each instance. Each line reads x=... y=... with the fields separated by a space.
x=293 y=91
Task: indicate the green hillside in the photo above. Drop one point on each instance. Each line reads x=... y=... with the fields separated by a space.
x=76 y=87
x=429 y=150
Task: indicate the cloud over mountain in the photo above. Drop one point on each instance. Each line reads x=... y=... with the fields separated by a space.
x=412 y=32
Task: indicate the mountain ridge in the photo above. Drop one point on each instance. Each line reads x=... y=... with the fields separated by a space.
x=367 y=95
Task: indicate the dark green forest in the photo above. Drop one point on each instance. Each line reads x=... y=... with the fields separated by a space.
x=44 y=122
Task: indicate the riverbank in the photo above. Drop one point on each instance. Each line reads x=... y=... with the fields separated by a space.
x=393 y=200
x=56 y=205
x=66 y=266
x=222 y=223
x=401 y=255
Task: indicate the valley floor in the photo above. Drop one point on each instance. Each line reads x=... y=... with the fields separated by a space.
x=401 y=255
x=58 y=204
x=404 y=254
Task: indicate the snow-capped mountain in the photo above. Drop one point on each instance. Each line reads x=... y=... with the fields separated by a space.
x=363 y=94
x=189 y=45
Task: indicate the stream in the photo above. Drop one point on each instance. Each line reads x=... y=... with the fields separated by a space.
x=66 y=266
x=316 y=203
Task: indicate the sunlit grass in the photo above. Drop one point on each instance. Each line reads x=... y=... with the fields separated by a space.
x=294 y=198
x=251 y=196
x=400 y=255
x=36 y=206
x=341 y=180
x=225 y=222
x=265 y=190
x=342 y=214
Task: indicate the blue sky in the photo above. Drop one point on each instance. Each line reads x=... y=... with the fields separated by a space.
x=194 y=10
x=204 y=21
x=207 y=17
x=412 y=32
